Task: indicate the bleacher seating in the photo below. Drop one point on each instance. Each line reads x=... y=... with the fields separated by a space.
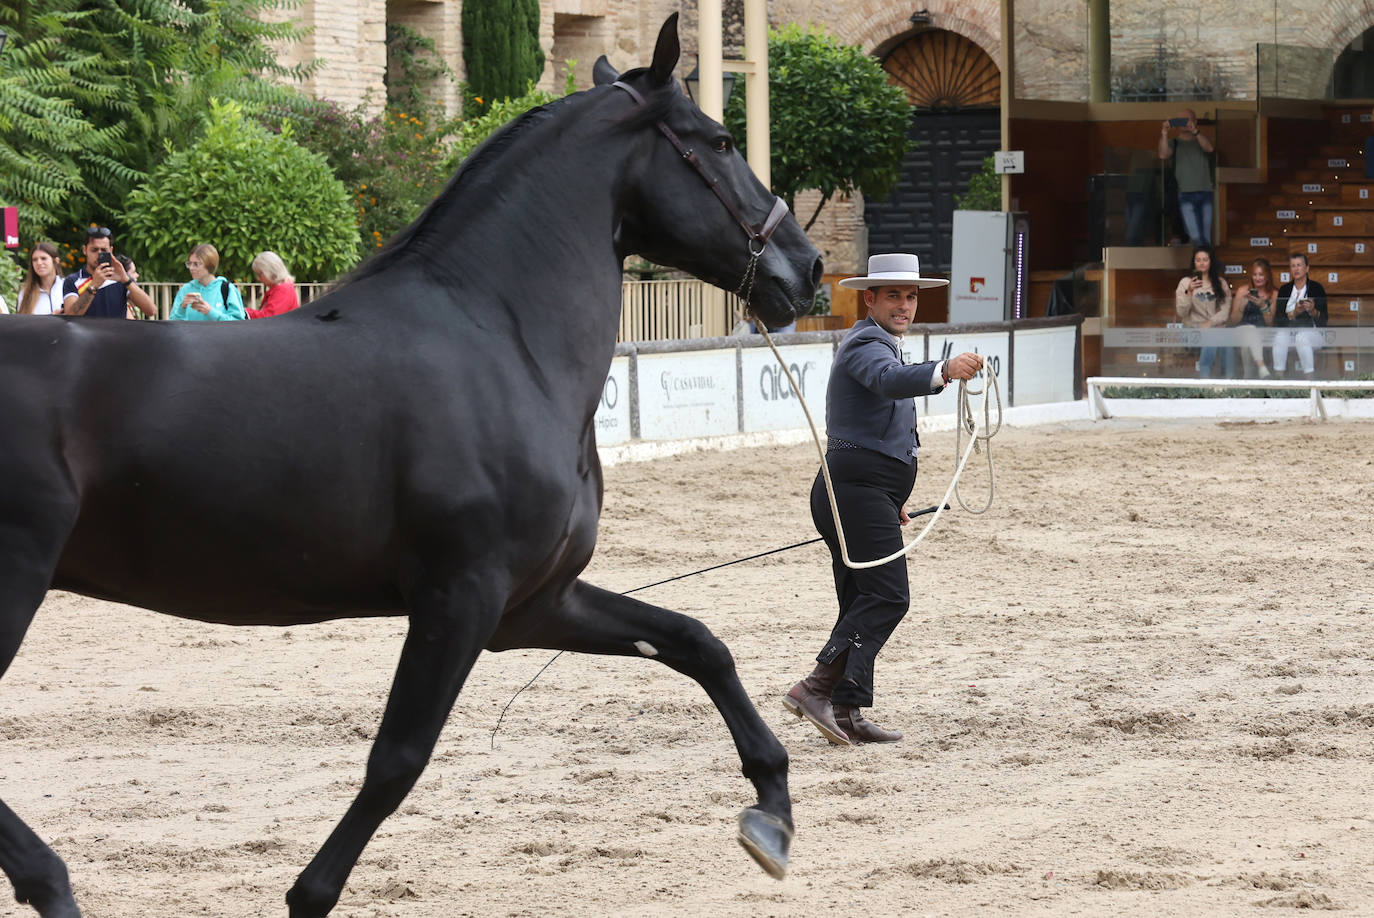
x=1321 y=203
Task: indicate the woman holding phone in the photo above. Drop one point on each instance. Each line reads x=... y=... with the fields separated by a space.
x=206 y=296
x=1253 y=309
x=1300 y=312
x=1203 y=300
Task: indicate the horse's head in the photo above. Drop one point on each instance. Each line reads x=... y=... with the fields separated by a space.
x=693 y=203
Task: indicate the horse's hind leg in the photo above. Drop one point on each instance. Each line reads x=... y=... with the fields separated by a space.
x=449 y=626
x=27 y=558
x=593 y=620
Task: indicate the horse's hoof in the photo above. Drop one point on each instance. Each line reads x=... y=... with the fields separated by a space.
x=767 y=839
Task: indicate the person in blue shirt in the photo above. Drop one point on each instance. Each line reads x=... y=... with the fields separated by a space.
x=870 y=421
x=206 y=296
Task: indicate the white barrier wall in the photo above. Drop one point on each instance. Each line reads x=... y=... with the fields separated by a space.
x=717 y=387
x=767 y=397
x=693 y=394
x=613 y=414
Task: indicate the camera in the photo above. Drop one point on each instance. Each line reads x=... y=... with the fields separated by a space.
x=1178 y=122
x=103 y=258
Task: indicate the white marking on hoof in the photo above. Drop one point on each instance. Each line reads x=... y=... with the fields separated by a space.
x=644 y=647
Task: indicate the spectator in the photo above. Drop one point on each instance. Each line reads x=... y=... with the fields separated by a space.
x=280 y=295
x=1303 y=312
x=1252 y=308
x=130 y=269
x=1190 y=151
x=206 y=296
x=101 y=288
x=1203 y=300
x=41 y=292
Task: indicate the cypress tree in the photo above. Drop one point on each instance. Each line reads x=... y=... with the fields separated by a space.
x=501 y=48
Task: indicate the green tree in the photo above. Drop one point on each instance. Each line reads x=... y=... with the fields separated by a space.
x=501 y=48
x=414 y=69
x=51 y=152
x=128 y=82
x=243 y=189
x=838 y=125
x=984 y=190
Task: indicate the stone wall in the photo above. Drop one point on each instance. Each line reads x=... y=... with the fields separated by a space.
x=1187 y=40
x=1051 y=36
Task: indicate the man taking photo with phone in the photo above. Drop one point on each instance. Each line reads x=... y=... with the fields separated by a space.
x=1191 y=152
x=102 y=288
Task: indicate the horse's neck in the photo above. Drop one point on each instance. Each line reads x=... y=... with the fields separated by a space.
x=534 y=234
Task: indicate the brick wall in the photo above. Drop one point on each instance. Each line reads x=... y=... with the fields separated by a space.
x=1051 y=42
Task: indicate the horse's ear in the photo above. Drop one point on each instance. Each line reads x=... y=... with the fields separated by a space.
x=666 y=52
x=603 y=73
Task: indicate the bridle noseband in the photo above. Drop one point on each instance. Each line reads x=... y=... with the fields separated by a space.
x=758 y=233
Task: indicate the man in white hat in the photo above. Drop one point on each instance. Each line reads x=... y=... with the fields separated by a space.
x=870 y=419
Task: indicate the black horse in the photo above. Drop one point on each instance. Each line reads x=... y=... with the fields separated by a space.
x=419 y=442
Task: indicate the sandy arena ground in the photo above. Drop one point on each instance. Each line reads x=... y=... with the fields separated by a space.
x=1143 y=685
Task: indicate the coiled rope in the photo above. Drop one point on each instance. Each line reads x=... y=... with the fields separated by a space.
x=968 y=421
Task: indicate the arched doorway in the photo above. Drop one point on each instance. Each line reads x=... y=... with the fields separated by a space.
x=956 y=89
x=1353 y=75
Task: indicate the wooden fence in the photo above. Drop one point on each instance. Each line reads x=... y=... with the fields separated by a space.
x=657 y=310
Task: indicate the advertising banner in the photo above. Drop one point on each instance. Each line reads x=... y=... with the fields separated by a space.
x=992 y=346
x=978 y=269
x=1043 y=369
x=613 y=411
x=11 y=227
x=769 y=403
x=690 y=394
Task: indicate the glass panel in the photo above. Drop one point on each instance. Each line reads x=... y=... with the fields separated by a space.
x=1149 y=341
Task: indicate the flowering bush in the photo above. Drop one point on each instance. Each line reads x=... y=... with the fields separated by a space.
x=392 y=164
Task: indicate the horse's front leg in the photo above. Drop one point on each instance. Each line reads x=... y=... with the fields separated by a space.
x=31 y=537
x=593 y=620
x=449 y=625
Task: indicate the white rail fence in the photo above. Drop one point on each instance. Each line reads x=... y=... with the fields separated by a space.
x=656 y=310
x=1097 y=403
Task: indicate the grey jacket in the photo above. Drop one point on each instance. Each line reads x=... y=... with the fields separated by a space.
x=869 y=398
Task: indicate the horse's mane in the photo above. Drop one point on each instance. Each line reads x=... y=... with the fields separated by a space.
x=474 y=167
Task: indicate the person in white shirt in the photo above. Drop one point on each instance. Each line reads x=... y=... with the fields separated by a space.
x=1301 y=311
x=41 y=292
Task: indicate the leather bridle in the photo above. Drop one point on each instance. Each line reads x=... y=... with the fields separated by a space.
x=758 y=233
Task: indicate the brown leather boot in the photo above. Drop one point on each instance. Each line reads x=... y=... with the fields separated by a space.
x=810 y=698
x=860 y=729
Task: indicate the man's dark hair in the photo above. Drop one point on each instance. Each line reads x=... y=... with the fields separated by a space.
x=1302 y=255
x=99 y=232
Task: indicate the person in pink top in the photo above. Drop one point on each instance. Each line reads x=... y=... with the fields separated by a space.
x=281 y=286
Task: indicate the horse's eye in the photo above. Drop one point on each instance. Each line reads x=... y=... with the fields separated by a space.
x=721 y=145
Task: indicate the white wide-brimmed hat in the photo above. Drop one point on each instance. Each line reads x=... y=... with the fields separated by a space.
x=895 y=270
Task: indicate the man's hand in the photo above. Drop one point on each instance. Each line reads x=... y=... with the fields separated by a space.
x=117 y=271
x=902 y=516
x=104 y=273
x=965 y=366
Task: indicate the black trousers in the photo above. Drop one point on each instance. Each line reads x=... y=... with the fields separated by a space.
x=869 y=490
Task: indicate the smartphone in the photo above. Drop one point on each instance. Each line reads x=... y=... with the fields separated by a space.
x=1178 y=122
x=1197 y=275
x=103 y=258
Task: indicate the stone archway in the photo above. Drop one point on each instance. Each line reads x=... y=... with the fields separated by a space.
x=955 y=87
